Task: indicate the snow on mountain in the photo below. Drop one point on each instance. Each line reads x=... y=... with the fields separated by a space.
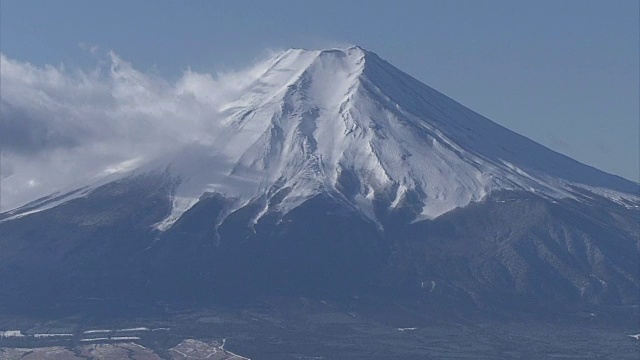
x=318 y=121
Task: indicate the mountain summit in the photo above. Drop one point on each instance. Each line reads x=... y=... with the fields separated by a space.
x=334 y=172
x=347 y=123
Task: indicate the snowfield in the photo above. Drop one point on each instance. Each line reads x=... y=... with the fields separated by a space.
x=347 y=123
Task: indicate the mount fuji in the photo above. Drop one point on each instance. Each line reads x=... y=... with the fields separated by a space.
x=333 y=173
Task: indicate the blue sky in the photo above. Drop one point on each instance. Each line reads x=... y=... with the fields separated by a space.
x=564 y=73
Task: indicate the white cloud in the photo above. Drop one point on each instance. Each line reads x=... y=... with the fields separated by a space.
x=58 y=124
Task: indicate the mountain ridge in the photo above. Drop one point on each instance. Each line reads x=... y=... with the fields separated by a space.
x=314 y=118
x=334 y=175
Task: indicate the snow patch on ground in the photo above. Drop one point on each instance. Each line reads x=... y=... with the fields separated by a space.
x=51 y=335
x=11 y=333
x=97 y=331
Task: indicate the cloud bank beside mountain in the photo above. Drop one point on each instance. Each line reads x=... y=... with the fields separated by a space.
x=58 y=124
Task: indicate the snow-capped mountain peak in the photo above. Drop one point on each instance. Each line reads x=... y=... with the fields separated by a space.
x=318 y=119
x=346 y=123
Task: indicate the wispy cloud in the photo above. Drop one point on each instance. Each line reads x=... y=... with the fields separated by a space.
x=58 y=124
